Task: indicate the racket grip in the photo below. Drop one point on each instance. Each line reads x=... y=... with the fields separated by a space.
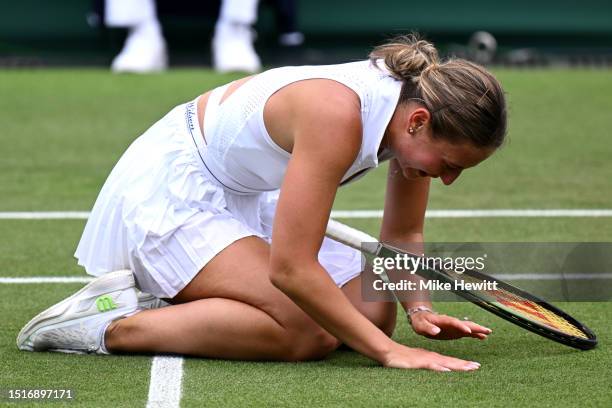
x=349 y=236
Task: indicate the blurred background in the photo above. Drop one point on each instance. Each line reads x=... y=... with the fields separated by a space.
x=520 y=32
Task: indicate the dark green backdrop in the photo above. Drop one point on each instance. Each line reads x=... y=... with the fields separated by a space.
x=44 y=29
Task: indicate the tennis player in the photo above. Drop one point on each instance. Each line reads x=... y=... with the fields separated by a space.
x=220 y=208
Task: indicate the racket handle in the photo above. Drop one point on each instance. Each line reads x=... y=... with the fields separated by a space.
x=349 y=236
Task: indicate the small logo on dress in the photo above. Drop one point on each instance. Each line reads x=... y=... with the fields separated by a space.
x=190 y=113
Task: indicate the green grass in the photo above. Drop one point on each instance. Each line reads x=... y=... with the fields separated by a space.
x=518 y=368
x=61 y=131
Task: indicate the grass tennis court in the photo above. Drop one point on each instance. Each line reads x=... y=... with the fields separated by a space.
x=61 y=131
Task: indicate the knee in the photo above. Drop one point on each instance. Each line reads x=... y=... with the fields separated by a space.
x=312 y=344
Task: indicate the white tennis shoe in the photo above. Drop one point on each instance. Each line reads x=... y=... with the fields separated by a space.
x=233 y=49
x=77 y=324
x=144 y=51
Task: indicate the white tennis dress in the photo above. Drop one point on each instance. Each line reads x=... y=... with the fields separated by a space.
x=178 y=197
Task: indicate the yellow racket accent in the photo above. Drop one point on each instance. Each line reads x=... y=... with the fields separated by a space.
x=534 y=312
x=526 y=308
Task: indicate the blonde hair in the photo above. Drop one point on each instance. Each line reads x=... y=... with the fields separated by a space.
x=465 y=101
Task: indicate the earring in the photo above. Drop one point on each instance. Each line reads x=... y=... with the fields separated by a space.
x=410 y=130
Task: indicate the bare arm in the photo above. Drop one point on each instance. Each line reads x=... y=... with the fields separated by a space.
x=404 y=217
x=327 y=139
x=403 y=222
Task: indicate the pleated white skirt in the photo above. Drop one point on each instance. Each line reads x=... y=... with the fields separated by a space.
x=161 y=215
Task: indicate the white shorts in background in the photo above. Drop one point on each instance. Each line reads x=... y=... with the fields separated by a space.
x=161 y=216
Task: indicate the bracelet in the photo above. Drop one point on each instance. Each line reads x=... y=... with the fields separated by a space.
x=414 y=310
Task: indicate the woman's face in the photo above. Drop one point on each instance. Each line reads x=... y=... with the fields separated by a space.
x=420 y=155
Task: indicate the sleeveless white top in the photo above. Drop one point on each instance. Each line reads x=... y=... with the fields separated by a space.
x=241 y=156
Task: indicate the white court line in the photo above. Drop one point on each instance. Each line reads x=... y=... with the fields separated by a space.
x=552 y=276
x=166 y=382
x=44 y=215
x=499 y=213
x=47 y=279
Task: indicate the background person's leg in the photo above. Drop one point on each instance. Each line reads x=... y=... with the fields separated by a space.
x=233 y=40
x=145 y=48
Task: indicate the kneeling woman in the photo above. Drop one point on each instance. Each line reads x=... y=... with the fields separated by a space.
x=221 y=208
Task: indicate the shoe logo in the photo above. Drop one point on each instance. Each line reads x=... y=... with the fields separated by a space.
x=105 y=303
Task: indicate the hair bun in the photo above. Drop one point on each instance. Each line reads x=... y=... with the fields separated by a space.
x=407 y=56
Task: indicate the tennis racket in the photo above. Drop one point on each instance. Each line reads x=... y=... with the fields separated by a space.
x=507 y=301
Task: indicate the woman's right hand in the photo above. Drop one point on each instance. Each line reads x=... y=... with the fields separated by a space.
x=400 y=356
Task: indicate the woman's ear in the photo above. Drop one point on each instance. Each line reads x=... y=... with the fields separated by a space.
x=419 y=118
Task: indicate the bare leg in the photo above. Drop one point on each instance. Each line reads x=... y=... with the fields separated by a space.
x=229 y=310
x=266 y=339
x=382 y=314
x=217 y=327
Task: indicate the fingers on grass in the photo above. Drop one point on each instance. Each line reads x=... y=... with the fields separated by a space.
x=457 y=364
x=438 y=367
x=468 y=366
x=454 y=322
x=454 y=367
x=476 y=328
x=428 y=328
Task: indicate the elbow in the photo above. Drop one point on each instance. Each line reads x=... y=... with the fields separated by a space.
x=281 y=274
x=288 y=275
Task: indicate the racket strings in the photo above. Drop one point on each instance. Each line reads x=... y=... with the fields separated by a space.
x=527 y=308
x=535 y=311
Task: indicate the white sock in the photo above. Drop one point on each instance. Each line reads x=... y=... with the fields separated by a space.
x=103 y=349
x=148 y=30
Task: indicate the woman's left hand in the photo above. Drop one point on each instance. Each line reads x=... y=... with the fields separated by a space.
x=442 y=327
